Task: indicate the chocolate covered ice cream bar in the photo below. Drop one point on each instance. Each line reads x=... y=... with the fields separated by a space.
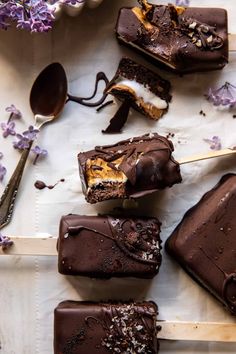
x=106 y=246
x=184 y=39
x=204 y=243
x=146 y=91
x=130 y=168
x=103 y=328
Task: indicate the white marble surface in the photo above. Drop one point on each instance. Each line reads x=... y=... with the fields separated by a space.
x=31 y=287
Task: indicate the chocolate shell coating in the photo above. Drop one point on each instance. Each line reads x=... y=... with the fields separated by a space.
x=185 y=40
x=103 y=328
x=129 y=168
x=205 y=239
x=106 y=246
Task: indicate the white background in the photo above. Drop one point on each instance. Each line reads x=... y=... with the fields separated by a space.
x=30 y=288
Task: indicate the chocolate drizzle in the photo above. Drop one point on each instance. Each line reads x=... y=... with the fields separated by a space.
x=145 y=161
x=42 y=185
x=101 y=76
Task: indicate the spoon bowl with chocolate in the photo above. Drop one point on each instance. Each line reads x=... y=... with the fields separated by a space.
x=47 y=99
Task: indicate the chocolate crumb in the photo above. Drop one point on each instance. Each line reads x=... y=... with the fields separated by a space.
x=202 y=113
x=234 y=116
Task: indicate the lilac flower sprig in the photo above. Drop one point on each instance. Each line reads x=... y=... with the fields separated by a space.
x=223 y=96
x=5 y=242
x=215 y=143
x=32 y=15
x=39 y=152
x=23 y=140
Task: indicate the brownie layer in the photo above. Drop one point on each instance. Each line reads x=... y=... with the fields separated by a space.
x=129 y=168
x=146 y=91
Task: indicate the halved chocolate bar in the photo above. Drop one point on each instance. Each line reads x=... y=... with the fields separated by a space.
x=146 y=91
x=130 y=168
x=107 y=246
x=103 y=328
x=184 y=39
x=204 y=243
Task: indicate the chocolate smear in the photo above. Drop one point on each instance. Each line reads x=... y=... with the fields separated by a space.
x=42 y=185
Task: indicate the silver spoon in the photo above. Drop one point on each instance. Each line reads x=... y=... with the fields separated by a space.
x=47 y=99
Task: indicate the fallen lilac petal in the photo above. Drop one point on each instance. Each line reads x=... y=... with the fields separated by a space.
x=5 y=242
x=16 y=114
x=8 y=129
x=38 y=151
x=223 y=96
x=22 y=143
x=31 y=133
x=215 y=143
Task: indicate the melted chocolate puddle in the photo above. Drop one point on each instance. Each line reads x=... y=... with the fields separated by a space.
x=101 y=76
x=119 y=119
x=42 y=185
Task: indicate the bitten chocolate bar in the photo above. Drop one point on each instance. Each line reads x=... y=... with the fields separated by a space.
x=146 y=91
x=130 y=168
x=184 y=39
x=103 y=328
x=204 y=243
x=106 y=246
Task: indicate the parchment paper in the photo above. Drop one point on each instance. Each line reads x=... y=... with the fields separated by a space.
x=31 y=287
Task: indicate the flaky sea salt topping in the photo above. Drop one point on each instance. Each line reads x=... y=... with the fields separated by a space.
x=128 y=333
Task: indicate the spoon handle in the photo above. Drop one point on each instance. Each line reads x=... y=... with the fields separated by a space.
x=8 y=198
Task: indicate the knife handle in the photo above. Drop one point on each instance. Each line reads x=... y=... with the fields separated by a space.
x=8 y=198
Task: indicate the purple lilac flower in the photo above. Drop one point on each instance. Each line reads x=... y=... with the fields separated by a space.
x=31 y=133
x=223 y=96
x=3 y=171
x=5 y=242
x=8 y=129
x=21 y=143
x=215 y=143
x=33 y=15
x=24 y=139
x=182 y=2
x=39 y=152
x=15 y=113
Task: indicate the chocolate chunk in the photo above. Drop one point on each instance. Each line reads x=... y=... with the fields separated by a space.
x=183 y=39
x=130 y=168
x=146 y=91
x=104 y=246
x=204 y=243
x=102 y=328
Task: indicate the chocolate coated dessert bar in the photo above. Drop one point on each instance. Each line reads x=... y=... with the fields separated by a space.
x=184 y=39
x=204 y=243
x=146 y=91
x=130 y=168
x=106 y=246
x=103 y=328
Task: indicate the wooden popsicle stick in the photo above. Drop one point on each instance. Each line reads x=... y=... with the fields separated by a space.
x=170 y=330
x=232 y=42
x=199 y=331
x=209 y=155
x=32 y=246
